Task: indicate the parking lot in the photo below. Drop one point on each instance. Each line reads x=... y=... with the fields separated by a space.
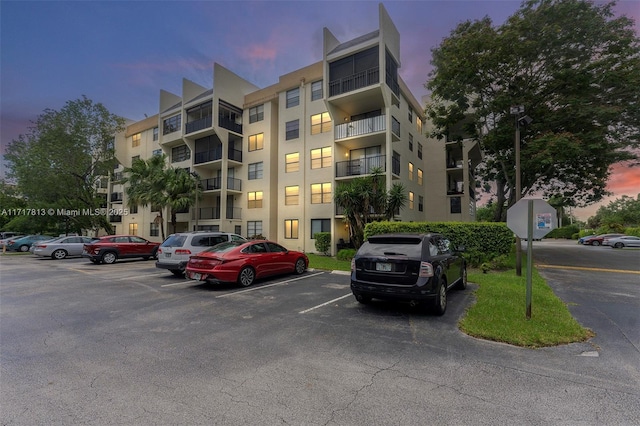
x=131 y=344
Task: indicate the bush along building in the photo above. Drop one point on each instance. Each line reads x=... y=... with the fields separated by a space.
x=268 y=160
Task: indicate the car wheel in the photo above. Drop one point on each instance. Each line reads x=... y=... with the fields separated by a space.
x=462 y=284
x=23 y=248
x=301 y=265
x=365 y=300
x=59 y=254
x=109 y=258
x=440 y=304
x=595 y=243
x=618 y=245
x=177 y=272
x=247 y=276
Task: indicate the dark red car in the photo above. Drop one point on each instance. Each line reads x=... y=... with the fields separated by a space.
x=598 y=240
x=244 y=262
x=113 y=247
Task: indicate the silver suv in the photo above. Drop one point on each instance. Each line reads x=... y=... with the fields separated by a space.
x=174 y=252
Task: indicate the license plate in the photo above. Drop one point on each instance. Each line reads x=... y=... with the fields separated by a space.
x=167 y=255
x=384 y=267
x=197 y=277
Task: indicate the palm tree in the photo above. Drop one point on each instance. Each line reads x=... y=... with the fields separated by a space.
x=364 y=199
x=147 y=180
x=181 y=192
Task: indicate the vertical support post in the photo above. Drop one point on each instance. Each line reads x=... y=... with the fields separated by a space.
x=529 y=257
x=518 y=192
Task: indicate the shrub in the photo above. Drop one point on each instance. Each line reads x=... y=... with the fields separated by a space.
x=566 y=232
x=346 y=254
x=323 y=242
x=632 y=231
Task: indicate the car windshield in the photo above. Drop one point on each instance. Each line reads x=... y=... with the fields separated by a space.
x=224 y=247
x=174 y=241
x=392 y=246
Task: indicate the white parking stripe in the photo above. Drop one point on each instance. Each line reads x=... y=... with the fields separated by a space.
x=324 y=304
x=269 y=285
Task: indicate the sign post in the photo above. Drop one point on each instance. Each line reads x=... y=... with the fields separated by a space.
x=531 y=219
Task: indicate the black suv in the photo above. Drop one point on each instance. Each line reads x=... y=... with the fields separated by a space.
x=408 y=267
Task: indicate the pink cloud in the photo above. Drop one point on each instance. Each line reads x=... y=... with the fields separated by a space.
x=625 y=179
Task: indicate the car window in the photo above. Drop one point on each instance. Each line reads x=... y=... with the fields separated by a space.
x=121 y=239
x=138 y=240
x=410 y=246
x=273 y=247
x=433 y=249
x=237 y=238
x=223 y=247
x=443 y=246
x=257 y=248
x=200 y=241
x=217 y=239
x=174 y=241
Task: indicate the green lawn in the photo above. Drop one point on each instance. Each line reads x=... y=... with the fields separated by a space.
x=499 y=313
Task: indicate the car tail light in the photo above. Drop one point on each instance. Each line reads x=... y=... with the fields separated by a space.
x=182 y=251
x=426 y=270
x=41 y=246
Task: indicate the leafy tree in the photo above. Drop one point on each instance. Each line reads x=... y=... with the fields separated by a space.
x=576 y=70
x=365 y=199
x=620 y=213
x=152 y=184
x=9 y=201
x=58 y=162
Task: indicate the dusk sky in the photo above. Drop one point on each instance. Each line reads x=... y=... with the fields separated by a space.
x=122 y=53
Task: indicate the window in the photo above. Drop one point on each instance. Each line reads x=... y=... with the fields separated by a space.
x=410 y=117
x=456 y=204
x=254 y=228
x=293 y=97
x=133 y=209
x=320 y=123
x=171 y=124
x=292 y=162
x=410 y=142
x=155 y=133
x=420 y=203
x=291 y=195
x=157 y=152
x=419 y=176
x=135 y=140
x=256 y=142
x=320 y=225
x=316 y=90
x=256 y=113
x=254 y=200
x=410 y=171
x=411 y=198
x=133 y=229
x=419 y=125
x=321 y=157
x=419 y=150
x=321 y=193
x=255 y=171
x=293 y=129
x=154 y=229
x=180 y=153
x=291 y=229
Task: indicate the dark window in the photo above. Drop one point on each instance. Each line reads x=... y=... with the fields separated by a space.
x=171 y=124
x=293 y=97
x=292 y=129
x=456 y=204
x=320 y=225
x=256 y=113
x=180 y=153
x=316 y=90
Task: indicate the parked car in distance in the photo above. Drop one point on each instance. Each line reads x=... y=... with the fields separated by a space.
x=113 y=247
x=61 y=247
x=582 y=240
x=622 y=242
x=23 y=243
x=9 y=235
x=244 y=262
x=174 y=252
x=414 y=268
x=598 y=239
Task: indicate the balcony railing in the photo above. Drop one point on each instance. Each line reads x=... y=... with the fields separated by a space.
x=361 y=166
x=361 y=127
x=234 y=212
x=228 y=124
x=206 y=156
x=116 y=196
x=234 y=184
x=354 y=81
x=194 y=126
x=211 y=184
x=235 y=155
x=207 y=213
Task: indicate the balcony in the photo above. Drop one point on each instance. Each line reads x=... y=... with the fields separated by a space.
x=194 y=126
x=116 y=197
x=360 y=127
x=206 y=156
x=235 y=155
x=208 y=213
x=213 y=184
x=361 y=166
x=234 y=212
x=354 y=82
x=229 y=124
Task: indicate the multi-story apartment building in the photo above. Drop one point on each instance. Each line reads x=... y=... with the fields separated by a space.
x=269 y=159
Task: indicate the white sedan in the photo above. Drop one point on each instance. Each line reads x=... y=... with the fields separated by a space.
x=62 y=247
x=623 y=241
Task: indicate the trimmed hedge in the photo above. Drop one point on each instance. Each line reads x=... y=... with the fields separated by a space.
x=483 y=241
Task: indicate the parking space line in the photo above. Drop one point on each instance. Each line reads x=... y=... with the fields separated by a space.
x=581 y=268
x=180 y=283
x=325 y=304
x=268 y=285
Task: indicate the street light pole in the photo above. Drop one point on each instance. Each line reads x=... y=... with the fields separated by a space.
x=196 y=184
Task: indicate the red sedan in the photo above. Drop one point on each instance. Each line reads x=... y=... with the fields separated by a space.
x=244 y=262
